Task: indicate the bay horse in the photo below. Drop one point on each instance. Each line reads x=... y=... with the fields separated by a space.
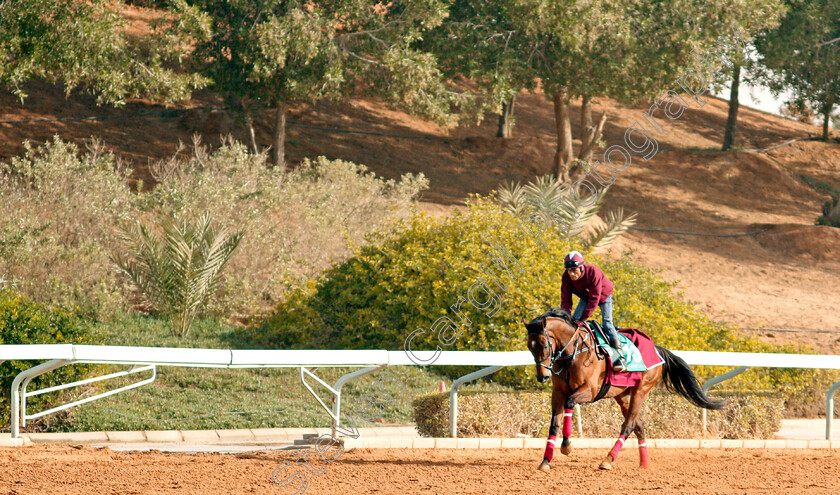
x=567 y=354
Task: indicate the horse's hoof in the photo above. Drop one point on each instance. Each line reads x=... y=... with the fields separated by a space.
x=607 y=464
x=566 y=449
x=544 y=466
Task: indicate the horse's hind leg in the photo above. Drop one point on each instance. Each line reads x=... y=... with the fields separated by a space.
x=650 y=378
x=630 y=409
x=639 y=430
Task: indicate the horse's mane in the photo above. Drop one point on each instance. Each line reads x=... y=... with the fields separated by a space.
x=536 y=325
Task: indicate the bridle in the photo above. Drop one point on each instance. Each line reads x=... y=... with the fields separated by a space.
x=558 y=356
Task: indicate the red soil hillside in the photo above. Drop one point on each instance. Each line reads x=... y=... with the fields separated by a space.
x=785 y=277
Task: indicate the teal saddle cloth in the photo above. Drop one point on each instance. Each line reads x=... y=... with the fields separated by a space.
x=632 y=355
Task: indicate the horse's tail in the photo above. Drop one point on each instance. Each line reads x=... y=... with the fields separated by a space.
x=679 y=378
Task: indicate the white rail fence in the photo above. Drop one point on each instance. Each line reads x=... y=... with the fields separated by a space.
x=147 y=359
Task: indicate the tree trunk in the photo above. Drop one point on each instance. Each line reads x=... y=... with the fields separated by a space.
x=587 y=128
x=249 y=121
x=236 y=104
x=563 y=156
x=506 y=119
x=732 y=120
x=278 y=145
x=590 y=133
x=826 y=116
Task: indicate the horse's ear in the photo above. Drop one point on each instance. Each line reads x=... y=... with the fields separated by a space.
x=525 y=321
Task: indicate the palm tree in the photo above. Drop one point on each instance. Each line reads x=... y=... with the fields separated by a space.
x=176 y=267
x=545 y=191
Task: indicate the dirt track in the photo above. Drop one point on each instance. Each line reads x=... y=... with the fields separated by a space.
x=86 y=470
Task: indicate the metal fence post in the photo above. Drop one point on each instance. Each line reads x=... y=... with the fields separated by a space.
x=713 y=381
x=16 y=396
x=829 y=409
x=453 y=396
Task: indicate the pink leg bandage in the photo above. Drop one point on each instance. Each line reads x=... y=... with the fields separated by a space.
x=643 y=456
x=549 y=447
x=617 y=447
x=567 y=423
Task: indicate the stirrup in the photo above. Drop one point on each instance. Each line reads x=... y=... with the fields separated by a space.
x=620 y=366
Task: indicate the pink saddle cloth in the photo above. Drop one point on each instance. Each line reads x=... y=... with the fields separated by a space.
x=650 y=357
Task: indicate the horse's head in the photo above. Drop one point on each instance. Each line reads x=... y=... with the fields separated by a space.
x=546 y=338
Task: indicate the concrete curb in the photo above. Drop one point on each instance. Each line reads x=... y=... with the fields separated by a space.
x=14 y=442
x=387 y=437
x=256 y=435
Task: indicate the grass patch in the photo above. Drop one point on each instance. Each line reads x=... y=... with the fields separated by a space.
x=820 y=186
x=697 y=148
x=193 y=398
x=207 y=398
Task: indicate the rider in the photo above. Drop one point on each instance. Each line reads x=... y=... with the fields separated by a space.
x=593 y=288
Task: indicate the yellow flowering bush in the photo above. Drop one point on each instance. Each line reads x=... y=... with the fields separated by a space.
x=24 y=322
x=410 y=278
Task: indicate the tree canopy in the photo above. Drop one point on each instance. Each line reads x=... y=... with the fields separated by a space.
x=83 y=44
x=585 y=49
x=276 y=53
x=802 y=55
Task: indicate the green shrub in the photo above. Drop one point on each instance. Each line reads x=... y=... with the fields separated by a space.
x=500 y=414
x=409 y=278
x=177 y=270
x=24 y=322
x=55 y=230
x=831 y=213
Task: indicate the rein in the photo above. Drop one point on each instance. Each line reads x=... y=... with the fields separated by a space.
x=558 y=356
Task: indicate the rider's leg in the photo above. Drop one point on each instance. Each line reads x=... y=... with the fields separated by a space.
x=607 y=321
x=610 y=331
x=578 y=312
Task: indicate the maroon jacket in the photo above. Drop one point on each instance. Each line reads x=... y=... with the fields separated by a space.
x=593 y=286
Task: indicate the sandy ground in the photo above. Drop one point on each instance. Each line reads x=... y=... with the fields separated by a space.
x=85 y=470
x=783 y=278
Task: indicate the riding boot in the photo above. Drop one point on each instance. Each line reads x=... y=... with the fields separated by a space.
x=620 y=365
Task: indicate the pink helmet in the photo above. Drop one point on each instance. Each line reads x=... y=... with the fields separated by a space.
x=573 y=260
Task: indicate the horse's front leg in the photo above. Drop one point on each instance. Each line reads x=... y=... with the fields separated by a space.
x=568 y=408
x=557 y=415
